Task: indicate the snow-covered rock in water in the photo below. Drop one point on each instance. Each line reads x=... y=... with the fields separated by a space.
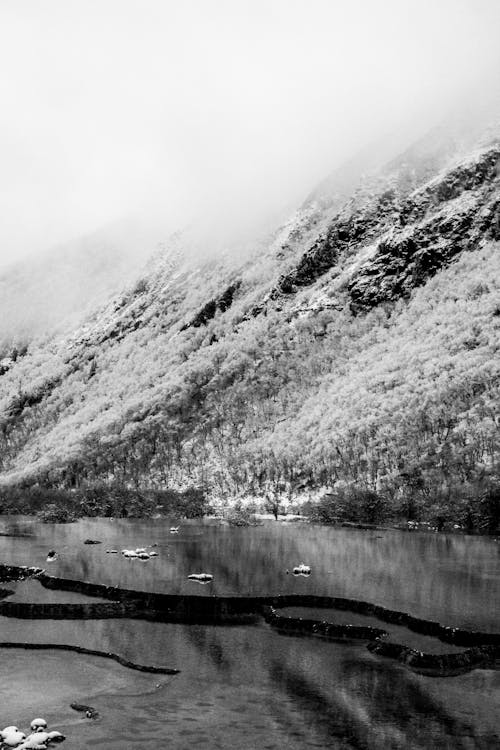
x=14 y=739
x=8 y=730
x=38 y=724
x=35 y=741
x=302 y=570
x=201 y=577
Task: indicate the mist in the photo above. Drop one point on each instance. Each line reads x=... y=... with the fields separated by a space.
x=223 y=114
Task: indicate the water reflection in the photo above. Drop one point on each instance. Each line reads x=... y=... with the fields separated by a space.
x=371 y=706
x=249 y=687
x=455 y=578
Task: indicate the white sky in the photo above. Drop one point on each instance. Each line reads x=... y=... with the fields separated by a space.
x=223 y=108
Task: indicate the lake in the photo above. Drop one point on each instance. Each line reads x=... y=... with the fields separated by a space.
x=250 y=687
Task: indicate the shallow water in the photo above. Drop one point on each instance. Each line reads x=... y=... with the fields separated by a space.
x=249 y=686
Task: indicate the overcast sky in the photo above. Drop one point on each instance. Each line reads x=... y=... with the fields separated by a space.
x=170 y=109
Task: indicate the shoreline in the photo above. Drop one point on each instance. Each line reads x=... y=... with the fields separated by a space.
x=258 y=520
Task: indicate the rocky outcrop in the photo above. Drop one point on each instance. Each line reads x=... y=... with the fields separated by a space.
x=209 y=311
x=406 y=260
x=32 y=397
x=414 y=235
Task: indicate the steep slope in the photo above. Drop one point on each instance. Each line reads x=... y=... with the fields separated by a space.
x=359 y=345
x=53 y=292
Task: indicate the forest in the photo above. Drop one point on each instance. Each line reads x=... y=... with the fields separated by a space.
x=321 y=374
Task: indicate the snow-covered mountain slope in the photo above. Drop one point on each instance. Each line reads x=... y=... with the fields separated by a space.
x=55 y=291
x=358 y=344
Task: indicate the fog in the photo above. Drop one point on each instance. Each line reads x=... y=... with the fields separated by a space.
x=223 y=112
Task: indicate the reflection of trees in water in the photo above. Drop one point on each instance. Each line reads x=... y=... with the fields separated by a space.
x=211 y=649
x=329 y=718
x=375 y=707
x=399 y=696
x=243 y=563
x=209 y=643
x=440 y=577
x=360 y=703
x=162 y=643
x=79 y=567
x=17 y=528
x=355 y=702
x=332 y=692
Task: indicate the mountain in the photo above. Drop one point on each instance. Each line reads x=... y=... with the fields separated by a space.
x=355 y=351
x=55 y=291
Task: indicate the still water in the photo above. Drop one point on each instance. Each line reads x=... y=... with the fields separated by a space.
x=249 y=687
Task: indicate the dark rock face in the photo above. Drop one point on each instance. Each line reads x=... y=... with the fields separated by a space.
x=210 y=310
x=313 y=264
x=27 y=398
x=415 y=233
x=403 y=263
x=428 y=233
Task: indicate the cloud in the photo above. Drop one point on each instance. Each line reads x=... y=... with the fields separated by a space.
x=224 y=110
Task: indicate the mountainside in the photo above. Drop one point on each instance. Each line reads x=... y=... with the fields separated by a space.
x=358 y=347
x=42 y=295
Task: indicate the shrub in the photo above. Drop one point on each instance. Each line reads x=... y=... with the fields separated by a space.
x=351 y=503
x=325 y=511
x=56 y=514
x=241 y=517
x=489 y=509
x=33 y=499
x=114 y=500
x=190 y=503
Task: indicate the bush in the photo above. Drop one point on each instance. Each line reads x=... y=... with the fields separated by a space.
x=124 y=502
x=114 y=500
x=481 y=512
x=241 y=517
x=489 y=509
x=101 y=500
x=56 y=514
x=30 y=500
x=325 y=511
x=351 y=503
x=191 y=503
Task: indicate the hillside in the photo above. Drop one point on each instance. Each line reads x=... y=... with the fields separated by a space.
x=354 y=351
x=53 y=292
